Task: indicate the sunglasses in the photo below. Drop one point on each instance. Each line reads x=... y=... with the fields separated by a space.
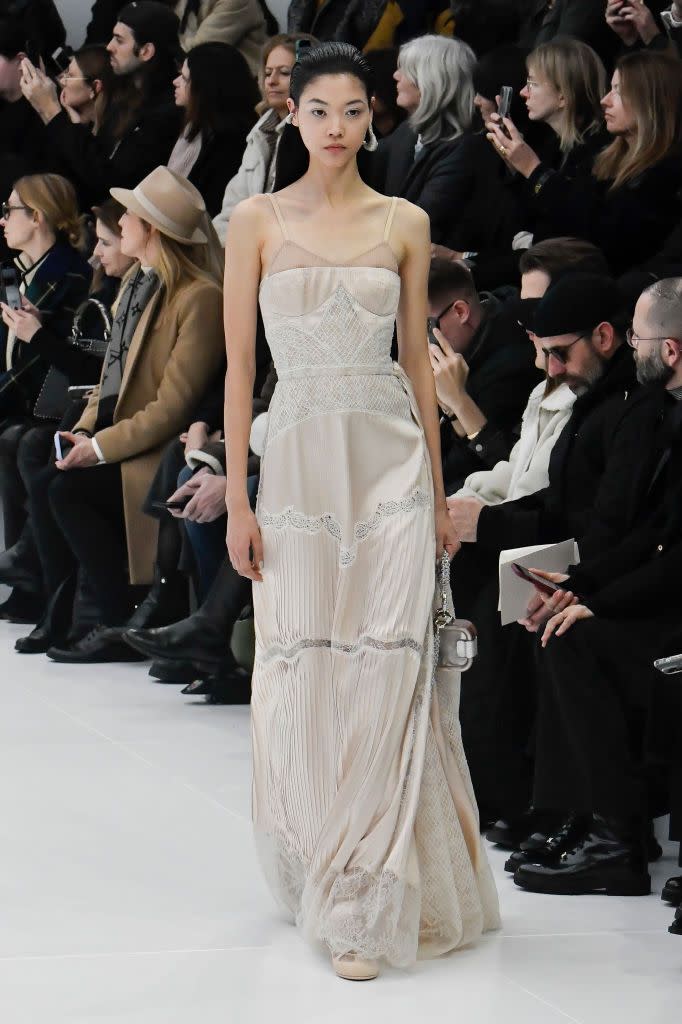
x=561 y=353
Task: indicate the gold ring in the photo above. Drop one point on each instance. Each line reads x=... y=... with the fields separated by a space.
x=502 y=149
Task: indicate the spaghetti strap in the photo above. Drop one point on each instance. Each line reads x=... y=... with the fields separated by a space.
x=389 y=219
x=280 y=218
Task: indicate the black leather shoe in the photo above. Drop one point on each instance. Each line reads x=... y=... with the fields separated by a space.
x=509 y=833
x=166 y=603
x=174 y=672
x=610 y=857
x=191 y=640
x=672 y=891
x=96 y=647
x=561 y=839
x=53 y=628
x=20 y=567
x=22 y=608
x=676 y=927
x=233 y=687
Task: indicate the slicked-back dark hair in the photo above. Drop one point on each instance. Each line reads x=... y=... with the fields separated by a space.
x=313 y=63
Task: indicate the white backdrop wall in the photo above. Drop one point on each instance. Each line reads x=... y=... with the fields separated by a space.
x=76 y=15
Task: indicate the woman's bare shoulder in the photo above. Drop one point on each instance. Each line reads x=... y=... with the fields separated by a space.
x=255 y=209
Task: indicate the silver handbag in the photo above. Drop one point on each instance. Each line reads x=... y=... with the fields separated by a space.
x=456 y=639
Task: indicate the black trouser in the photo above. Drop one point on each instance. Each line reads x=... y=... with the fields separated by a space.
x=11 y=485
x=594 y=694
x=78 y=520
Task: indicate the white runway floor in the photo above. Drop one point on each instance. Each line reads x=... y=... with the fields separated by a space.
x=129 y=890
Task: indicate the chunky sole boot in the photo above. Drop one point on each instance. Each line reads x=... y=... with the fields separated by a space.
x=615 y=881
x=672 y=891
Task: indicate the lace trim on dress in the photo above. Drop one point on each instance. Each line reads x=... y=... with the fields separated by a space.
x=287 y=653
x=291 y=519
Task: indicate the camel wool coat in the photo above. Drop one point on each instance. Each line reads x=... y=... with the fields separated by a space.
x=176 y=350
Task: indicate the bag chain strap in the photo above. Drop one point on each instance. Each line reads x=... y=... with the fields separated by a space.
x=443 y=616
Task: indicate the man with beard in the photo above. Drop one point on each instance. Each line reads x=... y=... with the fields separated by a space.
x=591 y=496
x=599 y=634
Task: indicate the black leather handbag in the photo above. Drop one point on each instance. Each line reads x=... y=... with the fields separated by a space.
x=53 y=399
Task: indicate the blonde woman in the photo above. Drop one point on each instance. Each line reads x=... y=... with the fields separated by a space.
x=166 y=345
x=630 y=200
x=40 y=221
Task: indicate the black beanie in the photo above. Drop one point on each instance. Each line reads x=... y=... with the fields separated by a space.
x=576 y=304
x=152 y=22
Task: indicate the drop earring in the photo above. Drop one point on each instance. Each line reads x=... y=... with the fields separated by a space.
x=289 y=119
x=370 y=143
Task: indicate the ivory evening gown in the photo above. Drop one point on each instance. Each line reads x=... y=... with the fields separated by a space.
x=358 y=765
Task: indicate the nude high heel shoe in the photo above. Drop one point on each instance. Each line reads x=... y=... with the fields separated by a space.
x=351 y=967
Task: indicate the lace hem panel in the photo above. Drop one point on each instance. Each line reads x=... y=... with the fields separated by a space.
x=291 y=519
x=278 y=651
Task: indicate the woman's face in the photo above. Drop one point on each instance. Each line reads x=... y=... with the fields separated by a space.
x=485 y=107
x=77 y=92
x=19 y=225
x=135 y=234
x=408 y=95
x=333 y=117
x=276 y=78
x=108 y=250
x=182 y=85
x=543 y=101
x=618 y=114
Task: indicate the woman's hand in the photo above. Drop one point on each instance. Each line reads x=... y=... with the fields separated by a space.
x=40 y=91
x=543 y=606
x=23 y=323
x=510 y=145
x=446 y=535
x=638 y=16
x=562 y=622
x=245 y=544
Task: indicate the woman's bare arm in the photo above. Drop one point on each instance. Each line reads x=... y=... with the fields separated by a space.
x=242 y=278
x=413 y=355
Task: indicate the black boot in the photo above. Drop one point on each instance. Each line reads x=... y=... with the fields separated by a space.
x=167 y=602
x=54 y=626
x=509 y=833
x=676 y=927
x=100 y=645
x=610 y=857
x=20 y=565
x=202 y=638
x=226 y=687
x=183 y=672
x=557 y=842
x=22 y=608
x=672 y=891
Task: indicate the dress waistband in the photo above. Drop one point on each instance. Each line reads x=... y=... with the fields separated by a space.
x=352 y=370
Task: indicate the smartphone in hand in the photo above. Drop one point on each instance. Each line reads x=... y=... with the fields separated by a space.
x=9 y=276
x=545 y=587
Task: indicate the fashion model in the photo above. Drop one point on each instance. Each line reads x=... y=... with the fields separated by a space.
x=360 y=821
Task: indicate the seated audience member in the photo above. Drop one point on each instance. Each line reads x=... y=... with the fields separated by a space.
x=614 y=615
x=87 y=86
x=633 y=189
x=257 y=171
x=240 y=23
x=565 y=84
x=369 y=26
x=436 y=159
x=486 y=24
x=24 y=144
x=484 y=371
x=576 y=19
x=142 y=123
x=219 y=97
x=166 y=344
x=638 y=24
x=198 y=647
x=589 y=496
x=41 y=222
x=387 y=115
x=79 y=360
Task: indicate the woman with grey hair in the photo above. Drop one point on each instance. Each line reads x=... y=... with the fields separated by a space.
x=435 y=159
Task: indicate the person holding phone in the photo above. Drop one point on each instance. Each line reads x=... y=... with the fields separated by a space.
x=596 y=652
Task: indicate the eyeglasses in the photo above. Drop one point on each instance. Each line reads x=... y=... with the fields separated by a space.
x=437 y=319
x=560 y=353
x=633 y=339
x=7 y=209
x=72 y=78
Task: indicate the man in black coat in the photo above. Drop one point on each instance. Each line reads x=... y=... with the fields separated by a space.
x=591 y=496
x=484 y=368
x=597 y=648
x=142 y=123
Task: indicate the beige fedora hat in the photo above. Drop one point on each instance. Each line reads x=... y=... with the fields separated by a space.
x=169 y=203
